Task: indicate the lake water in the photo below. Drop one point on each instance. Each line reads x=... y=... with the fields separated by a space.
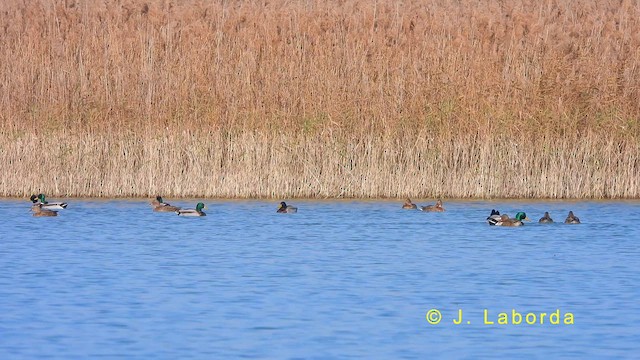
x=339 y=279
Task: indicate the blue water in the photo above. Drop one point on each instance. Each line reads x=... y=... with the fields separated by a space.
x=339 y=279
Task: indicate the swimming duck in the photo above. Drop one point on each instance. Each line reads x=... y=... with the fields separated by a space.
x=161 y=206
x=433 y=208
x=517 y=221
x=38 y=211
x=494 y=217
x=284 y=208
x=571 y=219
x=409 y=205
x=40 y=198
x=192 y=212
x=546 y=219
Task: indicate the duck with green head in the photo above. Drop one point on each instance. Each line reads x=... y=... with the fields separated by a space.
x=40 y=199
x=284 y=208
x=192 y=212
x=517 y=221
x=159 y=205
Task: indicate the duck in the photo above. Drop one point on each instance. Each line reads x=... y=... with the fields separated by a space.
x=494 y=217
x=517 y=221
x=409 y=205
x=40 y=199
x=38 y=211
x=571 y=219
x=159 y=205
x=192 y=212
x=284 y=208
x=546 y=219
x=433 y=208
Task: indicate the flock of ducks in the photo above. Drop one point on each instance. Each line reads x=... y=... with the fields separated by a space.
x=41 y=207
x=429 y=208
x=503 y=220
x=159 y=205
x=495 y=219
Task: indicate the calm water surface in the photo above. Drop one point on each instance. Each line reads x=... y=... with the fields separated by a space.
x=339 y=279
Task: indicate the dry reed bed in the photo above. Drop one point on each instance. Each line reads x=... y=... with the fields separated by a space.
x=298 y=98
x=250 y=164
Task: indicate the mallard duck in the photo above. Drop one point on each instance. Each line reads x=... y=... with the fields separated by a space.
x=192 y=212
x=40 y=199
x=38 y=211
x=517 y=221
x=494 y=217
x=433 y=208
x=409 y=205
x=546 y=219
x=159 y=205
x=571 y=219
x=284 y=208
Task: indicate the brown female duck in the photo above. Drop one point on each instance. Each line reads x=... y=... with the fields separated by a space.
x=546 y=219
x=159 y=205
x=571 y=219
x=409 y=205
x=39 y=211
x=433 y=208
